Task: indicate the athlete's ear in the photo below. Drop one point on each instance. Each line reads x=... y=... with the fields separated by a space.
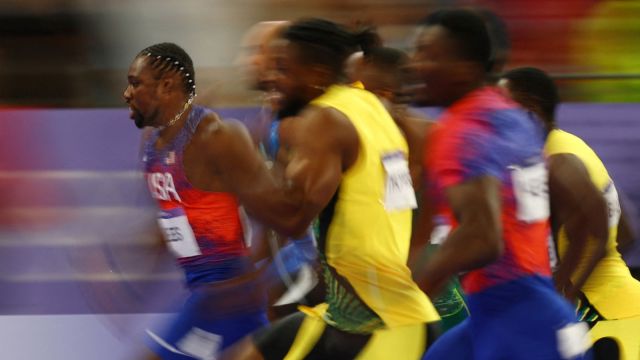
x=320 y=74
x=167 y=84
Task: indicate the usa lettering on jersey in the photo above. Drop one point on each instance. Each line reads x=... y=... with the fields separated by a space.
x=162 y=187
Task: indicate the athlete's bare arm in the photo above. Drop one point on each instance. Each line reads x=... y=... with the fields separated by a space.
x=324 y=145
x=421 y=232
x=578 y=205
x=415 y=128
x=476 y=241
x=232 y=160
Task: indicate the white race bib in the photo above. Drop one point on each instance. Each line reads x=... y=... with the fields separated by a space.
x=440 y=233
x=613 y=204
x=531 y=190
x=399 y=193
x=178 y=233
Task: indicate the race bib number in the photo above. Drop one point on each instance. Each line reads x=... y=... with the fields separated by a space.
x=613 y=204
x=399 y=193
x=178 y=233
x=531 y=191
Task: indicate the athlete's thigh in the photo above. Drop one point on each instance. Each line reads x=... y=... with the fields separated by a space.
x=455 y=344
x=405 y=342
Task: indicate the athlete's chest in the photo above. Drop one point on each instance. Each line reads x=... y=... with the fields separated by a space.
x=176 y=174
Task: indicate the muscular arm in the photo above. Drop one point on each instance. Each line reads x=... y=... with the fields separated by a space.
x=581 y=208
x=321 y=149
x=476 y=242
x=415 y=129
x=323 y=146
x=421 y=233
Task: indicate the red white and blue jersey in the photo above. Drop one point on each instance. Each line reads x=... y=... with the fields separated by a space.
x=485 y=134
x=203 y=229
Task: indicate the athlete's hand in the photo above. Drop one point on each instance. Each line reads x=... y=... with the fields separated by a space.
x=564 y=286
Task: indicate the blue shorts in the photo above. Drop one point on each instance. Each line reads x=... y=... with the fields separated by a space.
x=521 y=319
x=197 y=332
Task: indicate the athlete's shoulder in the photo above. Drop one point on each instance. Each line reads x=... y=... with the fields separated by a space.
x=559 y=141
x=212 y=125
x=328 y=116
x=217 y=134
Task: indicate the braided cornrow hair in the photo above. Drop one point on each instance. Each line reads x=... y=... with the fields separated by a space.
x=323 y=42
x=171 y=58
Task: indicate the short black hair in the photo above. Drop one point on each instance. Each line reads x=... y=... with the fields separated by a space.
x=500 y=41
x=389 y=61
x=367 y=39
x=322 y=42
x=387 y=58
x=170 y=58
x=470 y=32
x=537 y=87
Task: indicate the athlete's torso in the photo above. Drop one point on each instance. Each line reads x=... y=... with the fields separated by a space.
x=203 y=229
x=485 y=134
x=610 y=287
x=365 y=230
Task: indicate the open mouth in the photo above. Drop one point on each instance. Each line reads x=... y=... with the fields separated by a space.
x=132 y=113
x=274 y=95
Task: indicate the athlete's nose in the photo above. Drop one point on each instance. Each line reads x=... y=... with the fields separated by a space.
x=127 y=94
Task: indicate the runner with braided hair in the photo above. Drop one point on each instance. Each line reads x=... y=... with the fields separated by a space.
x=198 y=168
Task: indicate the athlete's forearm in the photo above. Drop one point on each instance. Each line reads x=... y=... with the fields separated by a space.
x=279 y=209
x=583 y=214
x=420 y=234
x=587 y=246
x=577 y=239
x=463 y=250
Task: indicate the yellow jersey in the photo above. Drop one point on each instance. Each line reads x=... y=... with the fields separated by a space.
x=366 y=229
x=610 y=288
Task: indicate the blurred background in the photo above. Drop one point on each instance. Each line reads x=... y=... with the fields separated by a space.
x=75 y=217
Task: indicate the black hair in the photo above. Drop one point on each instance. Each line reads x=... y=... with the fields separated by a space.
x=170 y=58
x=500 y=41
x=368 y=40
x=536 y=87
x=469 y=31
x=322 y=42
x=393 y=73
x=387 y=58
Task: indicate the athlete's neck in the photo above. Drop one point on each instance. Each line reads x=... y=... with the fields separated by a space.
x=464 y=90
x=171 y=128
